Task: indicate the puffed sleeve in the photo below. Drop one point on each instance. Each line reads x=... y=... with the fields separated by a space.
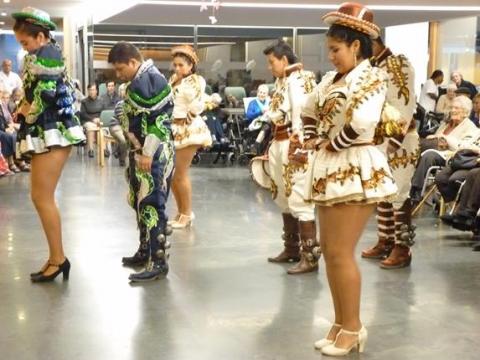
x=309 y=116
x=300 y=85
x=195 y=95
x=42 y=70
x=365 y=101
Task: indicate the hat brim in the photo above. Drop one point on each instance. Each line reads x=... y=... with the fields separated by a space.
x=183 y=51
x=42 y=22
x=363 y=26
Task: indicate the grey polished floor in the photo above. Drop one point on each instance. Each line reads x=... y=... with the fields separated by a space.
x=221 y=299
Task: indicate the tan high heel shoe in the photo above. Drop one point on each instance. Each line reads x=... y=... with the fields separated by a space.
x=184 y=221
x=332 y=350
x=325 y=342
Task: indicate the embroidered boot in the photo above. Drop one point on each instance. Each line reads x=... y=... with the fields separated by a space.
x=290 y=238
x=309 y=251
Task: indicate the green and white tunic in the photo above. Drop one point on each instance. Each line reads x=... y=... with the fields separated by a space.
x=51 y=121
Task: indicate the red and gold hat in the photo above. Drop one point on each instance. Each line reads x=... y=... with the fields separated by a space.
x=186 y=50
x=355 y=16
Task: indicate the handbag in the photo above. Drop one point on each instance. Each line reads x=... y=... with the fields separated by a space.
x=430 y=124
x=464 y=160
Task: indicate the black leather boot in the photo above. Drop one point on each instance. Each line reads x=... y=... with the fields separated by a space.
x=141 y=256
x=157 y=264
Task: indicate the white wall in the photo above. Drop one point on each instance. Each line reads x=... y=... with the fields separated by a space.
x=412 y=41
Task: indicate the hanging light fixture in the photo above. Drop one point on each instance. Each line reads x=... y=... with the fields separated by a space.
x=215 y=5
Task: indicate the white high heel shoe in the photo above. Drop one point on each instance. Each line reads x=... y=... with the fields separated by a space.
x=325 y=342
x=332 y=350
x=183 y=221
x=170 y=222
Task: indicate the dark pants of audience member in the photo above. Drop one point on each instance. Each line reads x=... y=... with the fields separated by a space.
x=427 y=160
x=122 y=145
x=470 y=196
x=448 y=182
x=8 y=143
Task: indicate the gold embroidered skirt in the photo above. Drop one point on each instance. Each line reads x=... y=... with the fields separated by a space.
x=194 y=133
x=358 y=174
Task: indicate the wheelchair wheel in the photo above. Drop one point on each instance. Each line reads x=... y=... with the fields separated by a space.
x=196 y=159
x=243 y=160
x=231 y=158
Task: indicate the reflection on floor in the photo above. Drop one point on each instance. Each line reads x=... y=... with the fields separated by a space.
x=221 y=300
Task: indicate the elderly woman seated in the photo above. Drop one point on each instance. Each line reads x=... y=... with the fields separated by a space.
x=451 y=135
x=448 y=179
x=259 y=105
x=445 y=101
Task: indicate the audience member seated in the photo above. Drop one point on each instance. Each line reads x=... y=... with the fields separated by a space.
x=259 y=105
x=90 y=110
x=4 y=169
x=111 y=98
x=15 y=99
x=457 y=78
x=445 y=101
x=475 y=114
x=8 y=79
x=437 y=148
x=212 y=117
x=448 y=179
x=429 y=93
x=8 y=135
x=464 y=216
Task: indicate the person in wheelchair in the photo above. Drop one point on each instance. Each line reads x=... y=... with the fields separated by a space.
x=258 y=106
x=212 y=117
x=450 y=178
x=438 y=148
x=258 y=132
x=464 y=216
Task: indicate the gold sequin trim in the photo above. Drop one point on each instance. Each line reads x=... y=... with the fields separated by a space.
x=289 y=170
x=403 y=159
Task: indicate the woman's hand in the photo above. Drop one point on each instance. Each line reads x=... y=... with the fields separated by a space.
x=24 y=109
x=442 y=143
x=312 y=144
x=144 y=163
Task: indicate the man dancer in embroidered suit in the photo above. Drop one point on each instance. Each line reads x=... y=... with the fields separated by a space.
x=395 y=230
x=146 y=120
x=287 y=164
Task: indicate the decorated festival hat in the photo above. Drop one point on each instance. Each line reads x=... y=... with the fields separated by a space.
x=186 y=50
x=355 y=16
x=36 y=17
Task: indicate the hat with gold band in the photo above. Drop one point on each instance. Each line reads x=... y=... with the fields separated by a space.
x=355 y=16
x=186 y=50
x=36 y=17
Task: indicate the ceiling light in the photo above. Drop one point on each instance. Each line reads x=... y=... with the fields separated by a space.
x=2 y=22
x=3 y=14
x=285 y=5
x=6 y=1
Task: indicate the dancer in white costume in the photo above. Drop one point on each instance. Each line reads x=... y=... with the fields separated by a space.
x=188 y=128
x=395 y=229
x=348 y=174
x=287 y=171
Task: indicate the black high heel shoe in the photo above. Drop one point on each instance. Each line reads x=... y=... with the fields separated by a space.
x=63 y=268
x=43 y=268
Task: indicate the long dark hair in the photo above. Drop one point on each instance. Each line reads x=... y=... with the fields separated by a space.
x=348 y=36
x=31 y=29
